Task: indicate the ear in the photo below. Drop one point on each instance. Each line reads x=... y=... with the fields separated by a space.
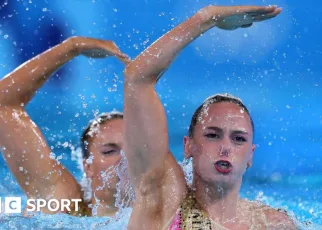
x=88 y=169
x=251 y=154
x=187 y=142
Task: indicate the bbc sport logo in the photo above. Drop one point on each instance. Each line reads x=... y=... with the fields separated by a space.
x=12 y=205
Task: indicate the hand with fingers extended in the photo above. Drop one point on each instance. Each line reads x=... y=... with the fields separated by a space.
x=96 y=48
x=234 y=17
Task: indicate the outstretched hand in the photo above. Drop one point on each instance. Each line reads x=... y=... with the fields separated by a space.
x=234 y=17
x=96 y=48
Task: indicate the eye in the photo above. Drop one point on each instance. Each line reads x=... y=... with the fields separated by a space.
x=108 y=152
x=239 y=139
x=212 y=136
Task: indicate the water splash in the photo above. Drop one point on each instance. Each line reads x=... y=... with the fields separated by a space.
x=125 y=195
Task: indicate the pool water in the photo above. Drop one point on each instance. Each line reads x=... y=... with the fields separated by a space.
x=273 y=67
x=300 y=196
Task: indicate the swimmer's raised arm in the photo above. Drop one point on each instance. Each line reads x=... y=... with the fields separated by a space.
x=23 y=145
x=20 y=85
x=154 y=60
x=154 y=173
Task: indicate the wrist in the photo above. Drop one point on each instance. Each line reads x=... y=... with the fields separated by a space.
x=207 y=16
x=74 y=45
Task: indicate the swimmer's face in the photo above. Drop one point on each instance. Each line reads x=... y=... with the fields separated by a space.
x=105 y=147
x=221 y=146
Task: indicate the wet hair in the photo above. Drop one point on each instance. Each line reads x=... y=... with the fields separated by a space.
x=217 y=98
x=93 y=127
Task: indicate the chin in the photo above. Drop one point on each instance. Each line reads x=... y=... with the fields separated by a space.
x=222 y=180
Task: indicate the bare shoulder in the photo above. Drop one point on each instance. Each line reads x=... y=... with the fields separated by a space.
x=278 y=219
x=272 y=219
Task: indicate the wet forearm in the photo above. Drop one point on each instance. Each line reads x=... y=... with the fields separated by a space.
x=19 y=86
x=153 y=61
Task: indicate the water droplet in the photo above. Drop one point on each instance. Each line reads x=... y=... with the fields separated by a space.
x=52 y=155
x=12 y=225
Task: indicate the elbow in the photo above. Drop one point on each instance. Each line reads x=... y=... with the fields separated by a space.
x=137 y=73
x=3 y=99
x=4 y=106
x=9 y=104
x=9 y=114
x=129 y=74
x=134 y=74
x=131 y=82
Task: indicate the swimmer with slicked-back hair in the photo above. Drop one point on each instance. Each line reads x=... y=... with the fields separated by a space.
x=28 y=154
x=220 y=141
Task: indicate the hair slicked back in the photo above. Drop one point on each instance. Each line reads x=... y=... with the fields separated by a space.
x=93 y=126
x=217 y=98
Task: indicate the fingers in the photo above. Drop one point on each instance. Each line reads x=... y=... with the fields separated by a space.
x=119 y=55
x=110 y=47
x=258 y=9
x=246 y=26
x=257 y=17
x=117 y=52
x=113 y=49
x=122 y=56
x=262 y=17
x=125 y=61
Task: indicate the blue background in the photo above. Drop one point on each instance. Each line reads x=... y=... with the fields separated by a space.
x=274 y=67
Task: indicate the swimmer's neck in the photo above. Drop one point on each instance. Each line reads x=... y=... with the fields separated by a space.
x=220 y=202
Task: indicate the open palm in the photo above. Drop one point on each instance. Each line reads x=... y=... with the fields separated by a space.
x=231 y=18
x=96 y=48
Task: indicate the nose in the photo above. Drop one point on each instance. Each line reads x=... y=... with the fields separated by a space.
x=224 y=148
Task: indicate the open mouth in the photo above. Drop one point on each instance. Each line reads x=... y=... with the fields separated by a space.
x=223 y=166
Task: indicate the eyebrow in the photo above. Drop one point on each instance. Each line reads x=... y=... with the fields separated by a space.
x=217 y=129
x=239 y=132
x=214 y=128
x=111 y=145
